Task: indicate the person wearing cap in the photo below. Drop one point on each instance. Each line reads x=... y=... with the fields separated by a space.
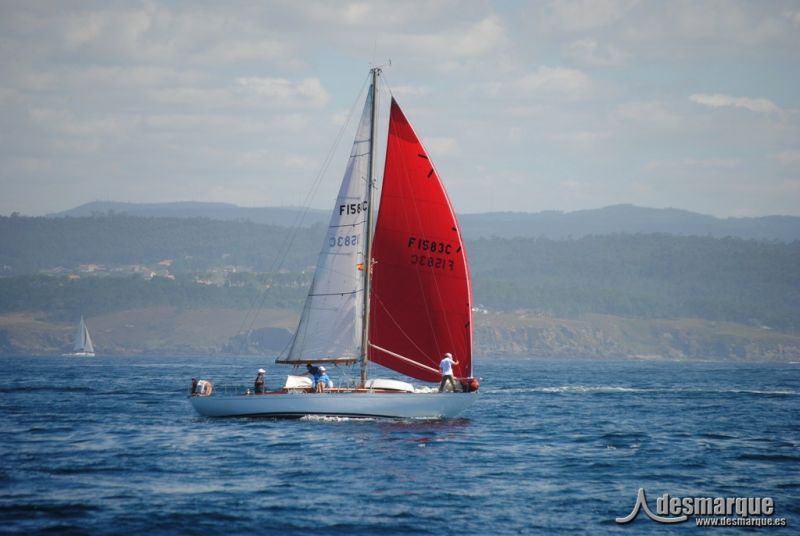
x=259 y=385
x=323 y=381
x=446 y=368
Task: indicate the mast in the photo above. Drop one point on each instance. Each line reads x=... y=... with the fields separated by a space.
x=375 y=72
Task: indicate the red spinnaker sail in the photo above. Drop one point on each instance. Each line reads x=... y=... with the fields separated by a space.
x=421 y=303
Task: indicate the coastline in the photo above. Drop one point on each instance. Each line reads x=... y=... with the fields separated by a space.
x=518 y=334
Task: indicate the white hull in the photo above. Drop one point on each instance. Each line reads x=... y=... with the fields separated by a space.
x=352 y=404
x=79 y=354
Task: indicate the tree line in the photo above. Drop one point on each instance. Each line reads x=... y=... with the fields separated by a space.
x=636 y=275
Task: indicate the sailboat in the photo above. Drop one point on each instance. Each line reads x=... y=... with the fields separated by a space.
x=83 y=346
x=394 y=292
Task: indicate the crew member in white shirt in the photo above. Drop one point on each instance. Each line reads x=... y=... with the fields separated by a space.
x=446 y=368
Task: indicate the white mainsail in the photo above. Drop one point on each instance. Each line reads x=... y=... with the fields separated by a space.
x=83 y=341
x=331 y=324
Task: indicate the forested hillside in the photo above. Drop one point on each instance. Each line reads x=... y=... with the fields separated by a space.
x=194 y=244
x=641 y=276
x=644 y=276
x=64 y=299
x=282 y=216
x=627 y=219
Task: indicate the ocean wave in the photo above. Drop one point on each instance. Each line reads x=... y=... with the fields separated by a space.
x=47 y=388
x=769 y=457
x=612 y=389
x=569 y=389
x=331 y=418
x=768 y=392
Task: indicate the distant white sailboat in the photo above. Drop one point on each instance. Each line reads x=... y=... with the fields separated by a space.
x=83 y=346
x=396 y=293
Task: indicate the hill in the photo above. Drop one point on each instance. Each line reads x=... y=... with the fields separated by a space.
x=642 y=276
x=627 y=219
x=198 y=262
x=550 y=224
x=280 y=216
x=193 y=245
x=596 y=295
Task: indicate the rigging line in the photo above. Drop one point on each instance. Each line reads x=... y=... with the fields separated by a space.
x=406 y=359
x=294 y=230
x=399 y=327
x=337 y=293
x=347 y=225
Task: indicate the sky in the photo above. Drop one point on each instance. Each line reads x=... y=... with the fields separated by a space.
x=523 y=106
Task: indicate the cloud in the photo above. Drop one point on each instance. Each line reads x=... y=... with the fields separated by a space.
x=481 y=38
x=309 y=90
x=136 y=95
x=728 y=23
x=647 y=112
x=358 y=14
x=590 y=52
x=383 y=15
x=791 y=156
x=123 y=77
x=155 y=33
x=198 y=122
x=693 y=163
x=442 y=146
x=410 y=91
x=66 y=122
x=240 y=50
x=300 y=163
x=458 y=42
x=582 y=15
x=579 y=137
x=544 y=81
x=136 y=32
x=28 y=166
x=122 y=26
x=719 y=101
x=446 y=35
x=555 y=81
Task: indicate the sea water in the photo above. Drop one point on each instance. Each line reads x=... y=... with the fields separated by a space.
x=112 y=446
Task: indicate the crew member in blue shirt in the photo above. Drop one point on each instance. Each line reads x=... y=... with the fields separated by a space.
x=322 y=381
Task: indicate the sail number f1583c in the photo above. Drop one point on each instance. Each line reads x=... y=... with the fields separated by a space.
x=434 y=249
